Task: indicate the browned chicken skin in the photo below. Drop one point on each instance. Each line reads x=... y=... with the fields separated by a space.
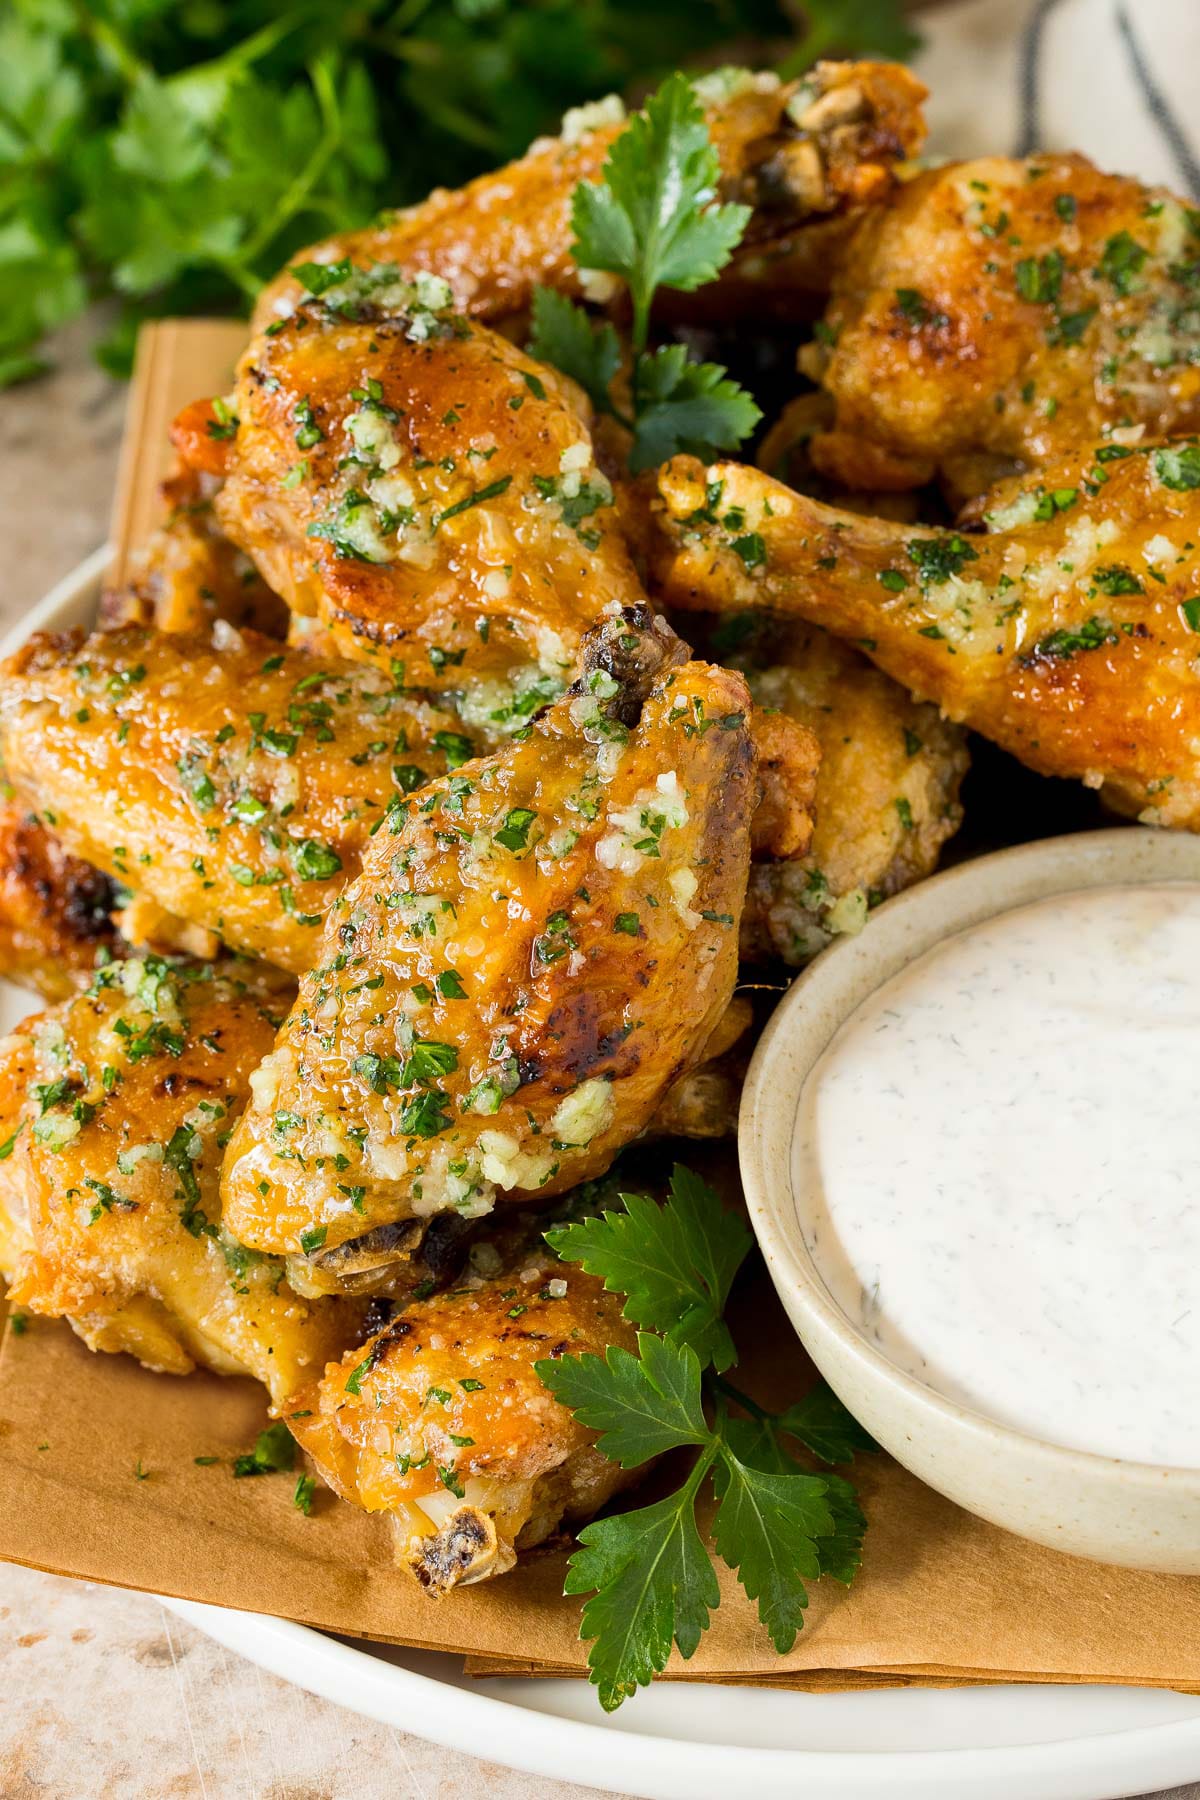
x=54 y=910
x=442 y=1422
x=114 y=1111
x=1067 y=633
x=886 y=792
x=188 y=574
x=532 y=954
x=798 y=153
x=232 y=781
x=1000 y=315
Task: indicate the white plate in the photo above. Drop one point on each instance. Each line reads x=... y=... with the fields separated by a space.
x=688 y=1741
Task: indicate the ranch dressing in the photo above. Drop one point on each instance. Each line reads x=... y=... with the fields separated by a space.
x=998 y=1170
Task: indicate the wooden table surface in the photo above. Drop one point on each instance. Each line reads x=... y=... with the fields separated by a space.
x=105 y=1695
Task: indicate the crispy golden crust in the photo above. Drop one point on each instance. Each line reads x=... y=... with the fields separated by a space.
x=54 y=910
x=1004 y=312
x=233 y=781
x=442 y=1421
x=510 y=230
x=527 y=962
x=450 y=515
x=1066 y=638
x=188 y=574
x=109 y=1192
x=886 y=791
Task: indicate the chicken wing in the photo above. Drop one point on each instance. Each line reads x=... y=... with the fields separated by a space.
x=188 y=574
x=799 y=153
x=999 y=314
x=1067 y=632
x=424 y=488
x=114 y=1110
x=886 y=795
x=442 y=1422
x=55 y=911
x=532 y=954
x=231 y=780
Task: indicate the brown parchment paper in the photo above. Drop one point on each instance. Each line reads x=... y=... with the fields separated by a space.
x=99 y=1479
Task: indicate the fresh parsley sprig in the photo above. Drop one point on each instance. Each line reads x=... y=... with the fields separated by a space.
x=177 y=155
x=776 y=1523
x=653 y=219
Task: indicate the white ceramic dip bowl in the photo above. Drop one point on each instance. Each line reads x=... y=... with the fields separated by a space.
x=1097 y=1506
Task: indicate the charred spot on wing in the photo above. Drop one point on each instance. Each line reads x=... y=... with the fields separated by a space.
x=633 y=647
x=462 y=1551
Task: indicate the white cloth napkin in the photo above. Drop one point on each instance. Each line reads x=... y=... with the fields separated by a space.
x=1117 y=79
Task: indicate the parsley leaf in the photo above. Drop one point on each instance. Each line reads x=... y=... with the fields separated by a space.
x=564 y=336
x=765 y=1527
x=177 y=157
x=688 y=406
x=641 y=1405
x=675 y=1263
x=823 y=1425
x=654 y=1582
x=654 y=219
x=777 y=1524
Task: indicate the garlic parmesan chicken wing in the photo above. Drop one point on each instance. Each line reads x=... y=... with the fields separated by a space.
x=188 y=574
x=802 y=154
x=537 y=947
x=114 y=1111
x=1068 y=631
x=886 y=796
x=442 y=1422
x=231 y=781
x=998 y=314
x=55 y=911
x=424 y=489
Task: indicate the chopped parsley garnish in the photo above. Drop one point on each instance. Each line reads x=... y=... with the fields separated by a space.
x=1178 y=467
x=1066 y=642
x=937 y=559
x=303 y=1493
x=514 y=833
x=274 y=1449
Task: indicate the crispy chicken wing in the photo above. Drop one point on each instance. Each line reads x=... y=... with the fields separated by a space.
x=886 y=791
x=534 y=951
x=188 y=573
x=441 y=1420
x=1067 y=632
x=999 y=314
x=114 y=1110
x=55 y=911
x=798 y=153
x=232 y=781
x=426 y=490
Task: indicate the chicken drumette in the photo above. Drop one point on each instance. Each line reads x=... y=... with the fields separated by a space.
x=441 y=1421
x=1067 y=630
x=423 y=488
x=998 y=314
x=806 y=155
x=886 y=792
x=55 y=911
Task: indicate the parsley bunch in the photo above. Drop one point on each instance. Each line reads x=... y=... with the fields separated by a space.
x=653 y=219
x=178 y=152
x=775 y=1523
